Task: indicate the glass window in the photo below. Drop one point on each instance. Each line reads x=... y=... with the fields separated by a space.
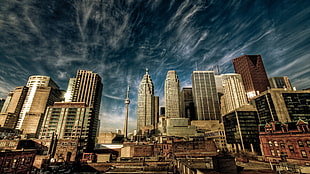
x=308 y=143
x=291 y=148
x=278 y=152
x=275 y=143
x=304 y=154
x=300 y=143
x=270 y=143
x=272 y=152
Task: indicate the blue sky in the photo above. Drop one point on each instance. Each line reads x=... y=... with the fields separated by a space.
x=119 y=39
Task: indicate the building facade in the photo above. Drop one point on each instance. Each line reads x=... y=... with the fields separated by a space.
x=146 y=104
x=282 y=105
x=253 y=73
x=70 y=120
x=187 y=103
x=280 y=82
x=42 y=92
x=13 y=108
x=172 y=95
x=205 y=96
x=286 y=142
x=241 y=128
x=234 y=93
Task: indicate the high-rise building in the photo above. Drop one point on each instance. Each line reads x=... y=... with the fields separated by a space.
x=278 y=104
x=87 y=87
x=252 y=70
x=241 y=128
x=13 y=108
x=280 y=82
x=69 y=120
x=146 y=106
x=234 y=93
x=7 y=102
x=2 y=101
x=187 y=103
x=205 y=96
x=172 y=95
x=42 y=92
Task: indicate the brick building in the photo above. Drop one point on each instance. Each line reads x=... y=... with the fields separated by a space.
x=286 y=142
x=12 y=162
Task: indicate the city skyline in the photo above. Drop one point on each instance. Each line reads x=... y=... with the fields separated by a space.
x=118 y=40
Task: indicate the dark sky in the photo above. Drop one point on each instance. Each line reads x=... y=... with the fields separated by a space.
x=119 y=39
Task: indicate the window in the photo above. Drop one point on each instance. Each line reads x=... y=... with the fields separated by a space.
x=282 y=145
x=270 y=143
x=272 y=152
x=278 y=152
x=291 y=148
x=275 y=143
x=304 y=154
x=308 y=143
x=300 y=143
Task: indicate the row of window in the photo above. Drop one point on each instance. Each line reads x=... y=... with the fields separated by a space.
x=299 y=142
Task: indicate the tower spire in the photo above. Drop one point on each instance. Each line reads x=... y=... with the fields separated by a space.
x=127 y=101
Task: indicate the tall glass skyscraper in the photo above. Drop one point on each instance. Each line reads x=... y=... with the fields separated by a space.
x=205 y=96
x=254 y=76
x=233 y=90
x=146 y=104
x=172 y=95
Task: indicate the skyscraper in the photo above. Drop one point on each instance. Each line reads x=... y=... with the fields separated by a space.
x=205 y=96
x=172 y=95
x=13 y=106
x=280 y=82
x=252 y=70
x=87 y=87
x=187 y=104
x=146 y=104
x=233 y=90
x=42 y=92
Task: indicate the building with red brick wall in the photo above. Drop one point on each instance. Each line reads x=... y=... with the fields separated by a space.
x=16 y=161
x=286 y=142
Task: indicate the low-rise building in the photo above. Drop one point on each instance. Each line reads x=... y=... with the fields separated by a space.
x=286 y=142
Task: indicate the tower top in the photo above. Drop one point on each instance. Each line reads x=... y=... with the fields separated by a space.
x=146 y=71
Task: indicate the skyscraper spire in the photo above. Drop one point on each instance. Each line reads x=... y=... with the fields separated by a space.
x=127 y=101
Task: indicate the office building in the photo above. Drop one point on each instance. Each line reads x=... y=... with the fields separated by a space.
x=241 y=128
x=234 y=93
x=278 y=104
x=205 y=96
x=172 y=95
x=13 y=108
x=70 y=120
x=280 y=82
x=252 y=70
x=146 y=106
x=187 y=103
x=7 y=102
x=42 y=92
x=2 y=101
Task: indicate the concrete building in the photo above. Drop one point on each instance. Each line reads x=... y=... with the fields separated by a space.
x=42 y=92
x=172 y=95
x=70 y=120
x=2 y=101
x=205 y=96
x=146 y=104
x=233 y=90
x=7 y=102
x=253 y=73
x=241 y=128
x=286 y=142
x=280 y=82
x=187 y=103
x=282 y=105
x=16 y=98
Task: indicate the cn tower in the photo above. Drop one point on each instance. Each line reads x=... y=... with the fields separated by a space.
x=127 y=101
